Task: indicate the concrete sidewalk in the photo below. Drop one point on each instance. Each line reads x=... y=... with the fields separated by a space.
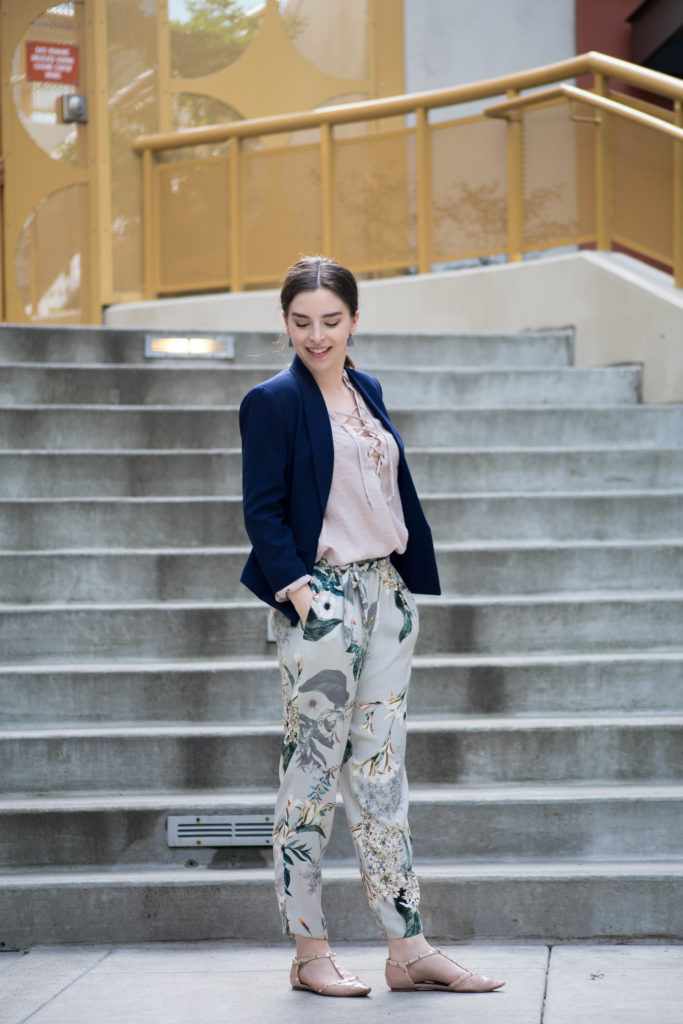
x=224 y=982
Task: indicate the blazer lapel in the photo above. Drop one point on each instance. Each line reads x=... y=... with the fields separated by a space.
x=319 y=429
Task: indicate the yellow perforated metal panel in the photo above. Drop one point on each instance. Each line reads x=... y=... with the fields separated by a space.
x=374 y=206
x=37 y=100
x=194 y=228
x=50 y=288
x=643 y=192
x=281 y=200
x=133 y=105
x=469 y=188
x=332 y=35
x=205 y=39
x=559 y=176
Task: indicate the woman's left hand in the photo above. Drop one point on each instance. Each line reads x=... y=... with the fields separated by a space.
x=302 y=599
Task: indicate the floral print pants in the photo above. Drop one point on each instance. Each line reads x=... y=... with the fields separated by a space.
x=345 y=683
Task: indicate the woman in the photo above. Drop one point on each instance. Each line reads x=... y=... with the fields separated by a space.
x=338 y=539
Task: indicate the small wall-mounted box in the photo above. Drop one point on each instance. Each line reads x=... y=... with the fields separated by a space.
x=74 y=108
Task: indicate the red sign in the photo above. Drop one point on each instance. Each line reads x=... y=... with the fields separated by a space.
x=52 y=62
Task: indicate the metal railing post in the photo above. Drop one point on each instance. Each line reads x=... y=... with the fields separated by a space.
x=149 y=224
x=678 y=198
x=515 y=181
x=425 y=197
x=236 y=275
x=3 y=299
x=603 y=171
x=326 y=188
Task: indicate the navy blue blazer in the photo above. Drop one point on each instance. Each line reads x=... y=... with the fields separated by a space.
x=287 y=460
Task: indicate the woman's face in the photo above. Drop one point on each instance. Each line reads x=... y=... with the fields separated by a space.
x=319 y=324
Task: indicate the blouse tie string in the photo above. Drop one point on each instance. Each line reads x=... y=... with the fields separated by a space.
x=376 y=448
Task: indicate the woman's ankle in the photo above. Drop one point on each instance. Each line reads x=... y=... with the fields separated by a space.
x=406 y=949
x=306 y=946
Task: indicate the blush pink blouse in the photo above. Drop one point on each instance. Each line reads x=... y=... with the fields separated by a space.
x=364 y=517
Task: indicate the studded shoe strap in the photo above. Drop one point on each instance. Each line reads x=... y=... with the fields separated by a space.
x=405 y=964
x=300 y=961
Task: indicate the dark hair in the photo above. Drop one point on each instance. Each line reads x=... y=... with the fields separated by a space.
x=313 y=272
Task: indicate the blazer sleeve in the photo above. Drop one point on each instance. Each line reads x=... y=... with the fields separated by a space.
x=265 y=489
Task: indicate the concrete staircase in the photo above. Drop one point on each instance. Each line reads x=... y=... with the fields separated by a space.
x=136 y=679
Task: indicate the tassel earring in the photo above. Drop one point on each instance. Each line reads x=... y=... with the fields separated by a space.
x=351 y=342
x=289 y=341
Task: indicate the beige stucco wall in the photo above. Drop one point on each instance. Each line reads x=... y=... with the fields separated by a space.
x=622 y=310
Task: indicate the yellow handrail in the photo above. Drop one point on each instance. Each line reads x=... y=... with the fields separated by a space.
x=570 y=92
x=587 y=63
x=602 y=67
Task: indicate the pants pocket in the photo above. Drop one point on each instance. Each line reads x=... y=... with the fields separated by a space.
x=317 y=628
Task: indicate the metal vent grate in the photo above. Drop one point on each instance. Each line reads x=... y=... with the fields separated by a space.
x=173 y=346
x=220 y=830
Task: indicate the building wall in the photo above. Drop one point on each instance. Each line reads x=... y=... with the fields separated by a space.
x=603 y=26
x=452 y=42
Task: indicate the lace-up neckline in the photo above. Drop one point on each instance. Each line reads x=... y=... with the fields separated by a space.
x=359 y=423
x=363 y=517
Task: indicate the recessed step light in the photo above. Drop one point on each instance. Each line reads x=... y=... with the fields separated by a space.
x=176 y=347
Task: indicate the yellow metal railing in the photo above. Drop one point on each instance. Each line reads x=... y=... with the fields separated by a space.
x=390 y=192
x=513 y=107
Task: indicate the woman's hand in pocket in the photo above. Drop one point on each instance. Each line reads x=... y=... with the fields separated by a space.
x=302 y=600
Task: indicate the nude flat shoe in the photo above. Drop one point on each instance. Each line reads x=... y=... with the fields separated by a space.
x=399 y=980
x=348 y=984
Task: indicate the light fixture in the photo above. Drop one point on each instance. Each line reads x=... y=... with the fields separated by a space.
x=184 y=347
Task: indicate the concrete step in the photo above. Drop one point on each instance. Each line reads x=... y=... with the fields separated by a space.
x=467 y=751
x=109 y=426
x=131 y=384
x=65 y=523
x=45 y=523
x=545 y=469
x=450 y=823
x=212 y=574
x=483 y=625
x=56 y=427
x=218 y=472
x=243 y=690
x=537 y=427
x=113 y=346
x=127 y=345
x=527 y=348
x=529 y=567
x=562 y=516
x=535 y=900
x=120 y=474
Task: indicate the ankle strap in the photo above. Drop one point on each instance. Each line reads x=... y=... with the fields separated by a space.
x=300 y=961
x=405 y=964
